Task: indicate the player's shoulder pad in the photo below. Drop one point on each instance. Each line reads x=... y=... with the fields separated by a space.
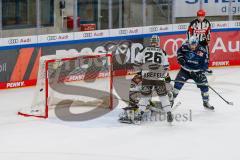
x=161 y=50
x=182 y=49
x=153 y=48
x=142 y=49
x=147 y=47
x=185 y=46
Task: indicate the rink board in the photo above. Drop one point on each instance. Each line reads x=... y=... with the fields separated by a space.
x=19 y=62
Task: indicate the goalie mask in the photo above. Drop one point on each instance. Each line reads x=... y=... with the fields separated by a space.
x=155 y=40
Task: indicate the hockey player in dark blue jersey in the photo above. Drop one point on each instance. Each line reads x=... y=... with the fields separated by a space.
x=193 y=59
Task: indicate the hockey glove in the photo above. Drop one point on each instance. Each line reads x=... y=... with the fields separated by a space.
x=168 y=79
x=204 y=42
x=197 y=76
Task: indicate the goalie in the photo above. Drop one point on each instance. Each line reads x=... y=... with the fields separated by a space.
x=132 y=114
x=153 y=63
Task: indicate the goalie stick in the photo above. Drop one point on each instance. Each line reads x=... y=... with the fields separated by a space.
x=202 y=84
x=154 y=107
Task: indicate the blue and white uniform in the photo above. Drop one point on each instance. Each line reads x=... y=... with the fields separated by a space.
x=193 y=65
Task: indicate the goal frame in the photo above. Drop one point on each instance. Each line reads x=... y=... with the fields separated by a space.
x=68 y=59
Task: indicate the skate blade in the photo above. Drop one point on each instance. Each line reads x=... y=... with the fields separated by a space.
x=208 y=73
x=208 y=109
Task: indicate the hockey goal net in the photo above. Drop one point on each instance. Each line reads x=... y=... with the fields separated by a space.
x=71 y=80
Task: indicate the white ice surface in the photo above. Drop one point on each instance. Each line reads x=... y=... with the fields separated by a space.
x=210 y=135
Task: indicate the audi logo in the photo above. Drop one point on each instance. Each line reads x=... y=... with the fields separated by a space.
x=182 y=27
x=51 y=38
x=123 y=31
x=237 y=24
x=173 y=45
x=87 y=35
x=213 y=25
x=13 y=41
x=153 y=29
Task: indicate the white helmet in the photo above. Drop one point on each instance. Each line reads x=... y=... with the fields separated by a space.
x=193 y=40
x=155 y=39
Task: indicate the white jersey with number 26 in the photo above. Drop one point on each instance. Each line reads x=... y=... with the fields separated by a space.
x=154 y=63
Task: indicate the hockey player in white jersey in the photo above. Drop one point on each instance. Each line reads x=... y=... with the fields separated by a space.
x=154 y=65
x=131 y=113
x=137 y=94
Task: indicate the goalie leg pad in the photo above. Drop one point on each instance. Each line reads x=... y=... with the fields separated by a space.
x=166 y=106
x=169 y=87
x=146 y=94
x=144 y=102
x=135 y=90
x=147 y=87
x=136 y=79
x=161 y=88
x=134 y=98
x=146 y=90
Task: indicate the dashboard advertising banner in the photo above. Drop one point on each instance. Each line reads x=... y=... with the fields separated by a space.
x=19 y=66
x=224 y=48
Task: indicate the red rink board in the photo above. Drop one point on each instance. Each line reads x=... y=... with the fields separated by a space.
x=224 y=48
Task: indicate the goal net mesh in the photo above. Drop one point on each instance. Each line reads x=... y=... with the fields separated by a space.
x=71 y=81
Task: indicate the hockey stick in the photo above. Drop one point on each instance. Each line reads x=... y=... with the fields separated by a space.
x=202 y=84
x=153 y=104
x=174 y=107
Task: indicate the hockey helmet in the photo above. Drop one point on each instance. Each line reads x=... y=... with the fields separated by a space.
x=155 y=39
x=193 y=42
x=201 y=13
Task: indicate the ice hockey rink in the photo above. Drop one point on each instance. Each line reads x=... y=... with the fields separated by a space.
x=209 y=135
